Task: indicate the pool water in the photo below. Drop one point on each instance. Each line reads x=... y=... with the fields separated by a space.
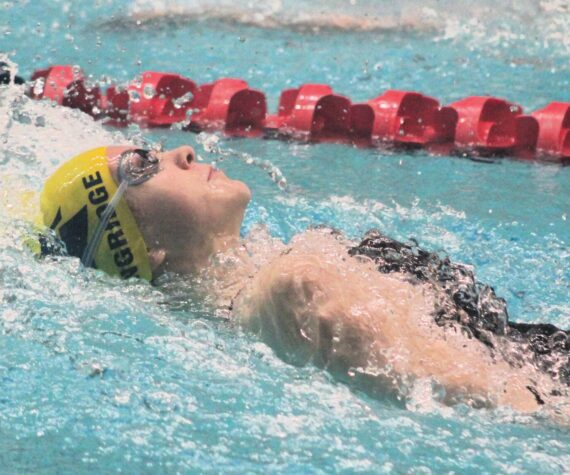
x=103 y=376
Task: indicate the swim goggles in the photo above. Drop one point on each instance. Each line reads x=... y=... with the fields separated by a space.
x=135 y=167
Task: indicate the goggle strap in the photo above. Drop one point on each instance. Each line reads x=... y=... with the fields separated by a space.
x=93 y=245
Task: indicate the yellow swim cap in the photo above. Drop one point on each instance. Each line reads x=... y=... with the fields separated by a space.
x=72 y=202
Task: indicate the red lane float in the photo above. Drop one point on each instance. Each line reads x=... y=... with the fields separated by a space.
x=66 y=86
x=491 y=125
x=229 y=105
x=481 y=125
x=403 y=117
x=159 y=99
x=554 y=130
x=116 y=104
x=313 y=112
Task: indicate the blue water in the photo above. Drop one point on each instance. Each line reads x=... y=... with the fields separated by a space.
x=102 y=376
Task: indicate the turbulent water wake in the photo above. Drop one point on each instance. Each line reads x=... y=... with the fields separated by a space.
x=545 y=19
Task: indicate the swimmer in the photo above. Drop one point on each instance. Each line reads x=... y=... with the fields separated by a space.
x=382 y=316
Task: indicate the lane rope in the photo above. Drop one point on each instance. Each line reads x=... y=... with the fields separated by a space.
x=476 y=125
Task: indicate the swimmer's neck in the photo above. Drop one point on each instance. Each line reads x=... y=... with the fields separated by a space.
x=237 y=261
x=195 y=256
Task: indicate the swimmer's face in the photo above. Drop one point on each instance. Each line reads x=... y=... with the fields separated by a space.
x=187 y=210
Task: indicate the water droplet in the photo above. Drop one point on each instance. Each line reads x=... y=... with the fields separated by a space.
x=76 y=70
x=134 y=96
x=38 y=88
x=149 y=91
x=209 y=142
x=185 y=99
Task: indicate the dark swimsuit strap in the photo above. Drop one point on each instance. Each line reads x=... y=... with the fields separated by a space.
x=469 y=303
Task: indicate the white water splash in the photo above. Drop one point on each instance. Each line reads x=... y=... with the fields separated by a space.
x=37 y=136
x=484 y=24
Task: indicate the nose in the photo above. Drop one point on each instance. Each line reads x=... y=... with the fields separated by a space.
x=188 y=153
x=181 y=156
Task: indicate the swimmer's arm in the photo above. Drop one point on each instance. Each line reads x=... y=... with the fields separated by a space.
x=300 y=307
x=309 y=313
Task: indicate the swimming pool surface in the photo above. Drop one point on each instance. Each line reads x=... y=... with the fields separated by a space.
x=103 y=376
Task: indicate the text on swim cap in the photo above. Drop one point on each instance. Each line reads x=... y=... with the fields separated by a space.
x=99 y=196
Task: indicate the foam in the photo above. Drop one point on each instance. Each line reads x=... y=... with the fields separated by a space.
x=37 y=136
x=486 y=24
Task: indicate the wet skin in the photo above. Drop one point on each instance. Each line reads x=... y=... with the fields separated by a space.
x=309 y=300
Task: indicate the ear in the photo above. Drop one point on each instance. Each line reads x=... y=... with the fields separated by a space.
x=156 y=258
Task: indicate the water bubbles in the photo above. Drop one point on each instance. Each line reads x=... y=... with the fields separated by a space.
x=137 y=81
x=122 y=398
x=208 y=141
x=76 y=71
x=134 y=96
x=149 y=91
x=39 y=86
x=97 y=369
x=188 y=115
x=179 y=102
x=162 y=402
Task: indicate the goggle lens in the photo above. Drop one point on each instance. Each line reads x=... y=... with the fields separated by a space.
x=137 y=166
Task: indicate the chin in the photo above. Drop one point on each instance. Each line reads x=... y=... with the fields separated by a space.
x=246 y=192
x=231 y=200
